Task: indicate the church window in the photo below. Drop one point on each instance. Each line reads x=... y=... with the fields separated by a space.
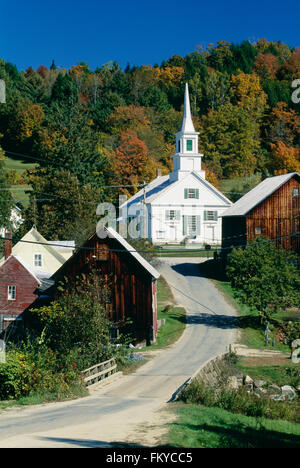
x=189 y=145
x=172 y=215
x=210 y=216
x=191 y=193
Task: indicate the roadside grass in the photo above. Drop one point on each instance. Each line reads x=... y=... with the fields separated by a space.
x=251 y=328
x=38 y=398
x=201 y=427
x=276 y=374
x=175 y=318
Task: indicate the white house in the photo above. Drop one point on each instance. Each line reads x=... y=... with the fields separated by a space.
x=182 y=205
x=41 y=256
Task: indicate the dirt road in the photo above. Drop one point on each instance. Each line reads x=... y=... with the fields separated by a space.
x=119 y=411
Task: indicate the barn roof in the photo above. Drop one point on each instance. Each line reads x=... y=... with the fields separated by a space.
x=153 y=272
x=258 y=194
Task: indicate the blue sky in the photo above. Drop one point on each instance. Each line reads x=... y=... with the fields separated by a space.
x=33 y=32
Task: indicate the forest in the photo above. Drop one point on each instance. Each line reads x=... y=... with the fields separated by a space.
x=92 y=135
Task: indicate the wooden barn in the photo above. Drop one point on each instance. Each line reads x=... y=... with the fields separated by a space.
x=270 y=209
x=131 y=281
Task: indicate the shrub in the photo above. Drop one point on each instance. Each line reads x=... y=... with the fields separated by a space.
x=18 y=375
x=239 y=402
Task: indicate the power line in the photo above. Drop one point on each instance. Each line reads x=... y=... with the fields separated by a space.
x=151 y=251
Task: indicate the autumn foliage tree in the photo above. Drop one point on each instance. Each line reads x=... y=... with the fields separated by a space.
x=284 y=159
x=131 y=162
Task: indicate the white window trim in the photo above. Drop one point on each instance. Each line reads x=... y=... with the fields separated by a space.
x=34 y=260
x=10 y=294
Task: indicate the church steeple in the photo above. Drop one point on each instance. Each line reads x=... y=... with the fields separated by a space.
x=187 y=158
x=187 y=123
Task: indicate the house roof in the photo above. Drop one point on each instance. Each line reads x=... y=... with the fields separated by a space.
x=25 y=265
x=62 y=245
x=258 y=194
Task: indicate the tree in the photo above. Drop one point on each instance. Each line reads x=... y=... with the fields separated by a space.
x=68 y=140
x=217 y=89
x=264 y=277
x=229 y=139
x=266 y=65
x=248 y=93
x=125 y=117
x=284 y=159
x=290 y=70
x=76 y=324
x=131 y=162
x=283 y=125
x=6 y=201
x=60 y=207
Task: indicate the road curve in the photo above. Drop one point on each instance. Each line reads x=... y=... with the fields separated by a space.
x=113 y=414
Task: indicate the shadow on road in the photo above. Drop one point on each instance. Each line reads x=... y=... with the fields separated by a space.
x=89 y=443
x=216 y=321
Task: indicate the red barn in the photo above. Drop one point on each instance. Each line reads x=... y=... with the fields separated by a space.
x=270 y=209
x=130 y=278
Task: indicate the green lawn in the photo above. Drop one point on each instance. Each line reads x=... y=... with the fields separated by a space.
x=18 y=165
x=201 y=427
x=175 y=317
x=19 y=191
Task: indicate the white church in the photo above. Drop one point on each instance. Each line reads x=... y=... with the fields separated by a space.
x=180 y=206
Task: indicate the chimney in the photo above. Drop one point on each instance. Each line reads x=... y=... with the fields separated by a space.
x=158 y=172
x=7 y=243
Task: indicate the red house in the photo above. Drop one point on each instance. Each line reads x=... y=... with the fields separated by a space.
x=18 y=290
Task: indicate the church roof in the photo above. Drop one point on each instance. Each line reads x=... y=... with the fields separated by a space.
x=160 y=185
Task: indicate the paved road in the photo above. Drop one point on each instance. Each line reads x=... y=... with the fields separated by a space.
x=113 y=413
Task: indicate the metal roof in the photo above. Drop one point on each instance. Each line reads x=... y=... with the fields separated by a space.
x=258 y=194
x=153 y=272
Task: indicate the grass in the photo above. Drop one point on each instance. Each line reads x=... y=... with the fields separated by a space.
x=175 y=317
x=201 y=427
x=252 y=330
x=278 y=375
x=39 y=398
x=18 y=190
x=18 y=165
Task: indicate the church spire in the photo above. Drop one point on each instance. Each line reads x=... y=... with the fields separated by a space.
x=187 y=125
x=186 y=159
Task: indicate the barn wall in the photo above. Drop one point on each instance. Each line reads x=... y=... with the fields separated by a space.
x=277 y=217
x=130 y=285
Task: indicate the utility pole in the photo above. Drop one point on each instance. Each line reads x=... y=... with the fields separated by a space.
x=145 y=214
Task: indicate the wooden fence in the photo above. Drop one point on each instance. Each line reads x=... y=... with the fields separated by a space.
x=99 y=372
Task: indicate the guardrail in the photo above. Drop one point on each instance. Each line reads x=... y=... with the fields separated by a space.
x=99 y=372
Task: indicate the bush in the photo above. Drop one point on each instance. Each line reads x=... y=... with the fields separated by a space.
x=18 y=375
x=238 y=402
